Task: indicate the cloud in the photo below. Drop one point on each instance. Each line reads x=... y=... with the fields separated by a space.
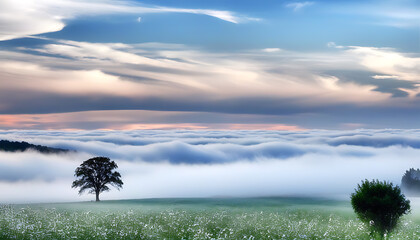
x=333 y=45
x=92 y=77
x=386 y=13
x=385 y=77
x=388 y=62
x=181 y=73
x=33 y=166
x=51 y=15
x=271 y=50
x=179 y=163
x=376 y=141
x=299 y=5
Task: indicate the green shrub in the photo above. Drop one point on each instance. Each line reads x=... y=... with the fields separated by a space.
x=379 y=205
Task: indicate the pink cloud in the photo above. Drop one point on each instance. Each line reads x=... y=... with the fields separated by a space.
x=132 y=120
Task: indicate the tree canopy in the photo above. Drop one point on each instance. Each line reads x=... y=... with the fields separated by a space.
x=379 y=205
x=95 y=175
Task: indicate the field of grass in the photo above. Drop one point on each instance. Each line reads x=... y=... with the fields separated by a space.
x=251 y=218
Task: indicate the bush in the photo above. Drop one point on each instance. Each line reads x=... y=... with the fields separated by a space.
x=379 y=205
x=410 y=182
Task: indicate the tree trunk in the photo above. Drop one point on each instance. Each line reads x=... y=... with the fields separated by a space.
x=97 y=196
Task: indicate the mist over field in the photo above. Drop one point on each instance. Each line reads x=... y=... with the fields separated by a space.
x=175 y=163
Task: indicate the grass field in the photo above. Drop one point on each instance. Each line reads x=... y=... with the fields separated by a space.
x=224 y=218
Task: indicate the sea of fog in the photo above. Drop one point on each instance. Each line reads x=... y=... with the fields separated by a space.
x=181 y=163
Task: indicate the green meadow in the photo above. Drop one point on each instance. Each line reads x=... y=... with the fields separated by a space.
x=213 y=218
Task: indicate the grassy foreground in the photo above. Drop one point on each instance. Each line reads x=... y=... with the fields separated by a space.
x=255 y=218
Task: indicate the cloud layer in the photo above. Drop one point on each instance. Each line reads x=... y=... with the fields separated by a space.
x=299 y=5
x=83 y=76
x=210 y=163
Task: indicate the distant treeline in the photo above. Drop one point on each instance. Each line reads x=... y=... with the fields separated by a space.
x=10 y=146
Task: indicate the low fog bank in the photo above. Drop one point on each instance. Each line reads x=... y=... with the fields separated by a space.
x=157 y=164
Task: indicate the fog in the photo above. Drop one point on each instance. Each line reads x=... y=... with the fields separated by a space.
x=209 y=163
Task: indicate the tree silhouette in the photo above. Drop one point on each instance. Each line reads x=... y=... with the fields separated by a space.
x=10 y=146
x=379 y=205
x=410 y=182
x=96 y=174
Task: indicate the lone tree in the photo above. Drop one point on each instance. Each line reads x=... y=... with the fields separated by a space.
x=410 y=182
x=95 y=175
x=380 y=205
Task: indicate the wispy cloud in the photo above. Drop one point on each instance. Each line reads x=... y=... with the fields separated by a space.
x=50 y=15
x=142 y=119
x=333 y=45
x=399 y=14
x=385 y=77
x=86 y=76
x=296 y=6
x=112 y=66
x=271 y=50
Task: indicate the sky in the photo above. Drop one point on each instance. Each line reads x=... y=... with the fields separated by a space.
x=208 y=163
x=220 y=64
x=197 y=98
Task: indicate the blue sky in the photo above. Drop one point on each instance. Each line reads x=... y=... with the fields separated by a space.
x=280 y=24
x=219 y=64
